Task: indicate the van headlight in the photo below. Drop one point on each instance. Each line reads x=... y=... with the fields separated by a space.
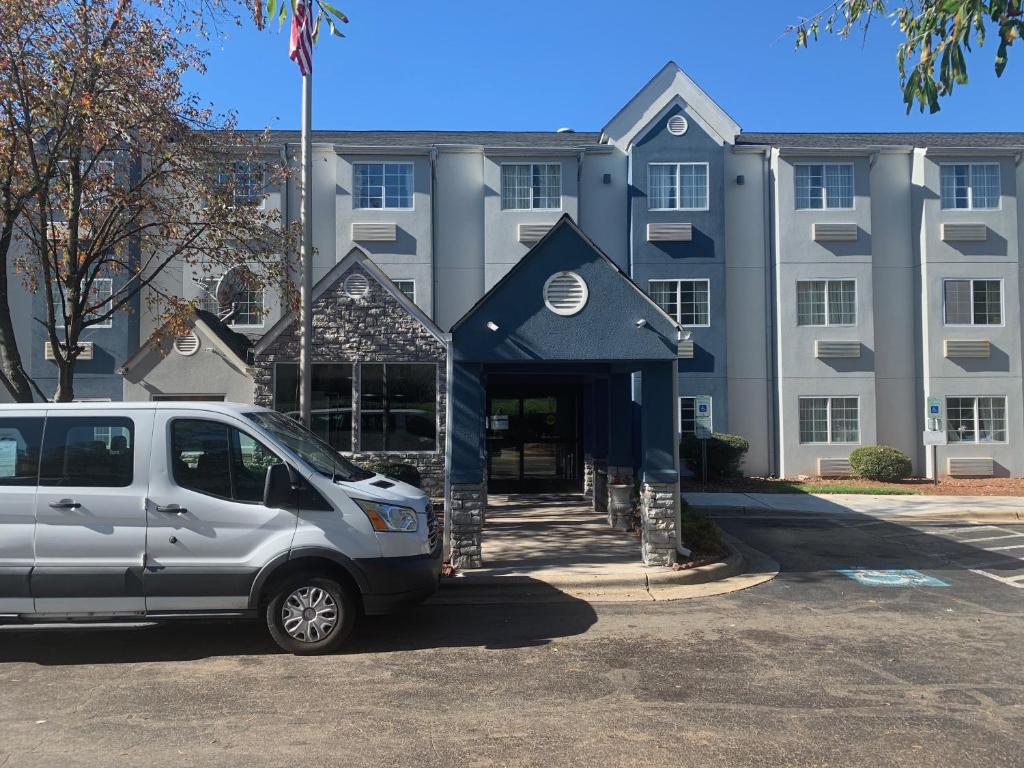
x=389 y=517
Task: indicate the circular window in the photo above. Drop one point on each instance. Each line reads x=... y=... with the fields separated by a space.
x=565 y=293
x=356 y=285
x=678 y=125
x=187 y=344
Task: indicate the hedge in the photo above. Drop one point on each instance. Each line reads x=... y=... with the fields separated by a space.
x=725 y=454
x=880 y=462
x=698 y=533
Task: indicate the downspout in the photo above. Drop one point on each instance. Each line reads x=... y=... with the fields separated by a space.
x=629 y=214
x=771 y=320
x=447 y=533
x=433 y=234
x=579 y=188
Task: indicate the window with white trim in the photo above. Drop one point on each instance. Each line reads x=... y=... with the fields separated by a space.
x=248 y=305
x=976 y=419
x=824 y=186
x=829 y=420
x=247 y=180
x=688 y=415
x=826 y=302
x=677 y=186
x=969 y=186
x=383 y=185
x=536 y=186
x=408 y=287
x=688 y=302
x=97 y=303
x=972 y=302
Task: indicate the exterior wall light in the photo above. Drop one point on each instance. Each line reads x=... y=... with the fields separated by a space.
x=492 y=326
x=641 y=323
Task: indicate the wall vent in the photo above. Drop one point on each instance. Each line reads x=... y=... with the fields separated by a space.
x=85 y=347
x=964 y=233
x=187 y=344
x=966 y=348
x=678 y=125
x=374 y=233
x=973 y=467
x=685 y=349
x=532 y=233
x=834 y=468
x=834 y=233
x=669 y=233
x=356 y=285
x=824 y=350
x=565 y=293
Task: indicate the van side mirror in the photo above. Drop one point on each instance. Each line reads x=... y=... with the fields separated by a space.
x=280 y=486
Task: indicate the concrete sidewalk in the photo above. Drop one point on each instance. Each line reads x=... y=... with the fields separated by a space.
x=553 y=546
x=967 y=508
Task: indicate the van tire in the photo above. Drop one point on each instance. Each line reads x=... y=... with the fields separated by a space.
x=309 y=596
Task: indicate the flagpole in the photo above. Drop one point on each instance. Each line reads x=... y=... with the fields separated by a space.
x=306 y=257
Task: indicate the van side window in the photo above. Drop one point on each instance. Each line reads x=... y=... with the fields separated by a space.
x=88 y=452
x=20 y=440
x=218 y=460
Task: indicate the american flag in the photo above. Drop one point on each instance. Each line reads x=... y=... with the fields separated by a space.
x=300 y=50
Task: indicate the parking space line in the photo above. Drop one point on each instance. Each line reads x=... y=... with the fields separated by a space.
x=991 y=538
x=961 y=529
x=1002 y=579
x=1000 y=549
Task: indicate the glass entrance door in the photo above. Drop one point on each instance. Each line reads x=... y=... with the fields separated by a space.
x=534 y=441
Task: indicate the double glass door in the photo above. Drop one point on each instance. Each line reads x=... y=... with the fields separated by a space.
x=534 y=441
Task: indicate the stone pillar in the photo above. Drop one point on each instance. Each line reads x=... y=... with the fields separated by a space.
x=588 y=476
x=620 y=497
x=600 y=487
x=658 y=523
x=467 y=504
x=620 y=451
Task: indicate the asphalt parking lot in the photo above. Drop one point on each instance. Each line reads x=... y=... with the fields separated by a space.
x=813 y=668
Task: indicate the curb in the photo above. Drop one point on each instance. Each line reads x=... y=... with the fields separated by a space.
x=966 y=515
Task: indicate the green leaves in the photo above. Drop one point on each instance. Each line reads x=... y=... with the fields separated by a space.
x=325 y=12
x=936 y=33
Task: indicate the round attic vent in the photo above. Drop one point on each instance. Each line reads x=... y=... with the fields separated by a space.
x=678 y=125
x=356 y=285
x=565 y=293
x=187 y=344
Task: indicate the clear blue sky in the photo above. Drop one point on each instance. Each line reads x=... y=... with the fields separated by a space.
x=541 y=65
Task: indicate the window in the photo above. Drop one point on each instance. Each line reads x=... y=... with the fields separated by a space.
x=20 y=439
x=829 y=185
x=88 y=452
x=973 y=302
x=408 y=287
x=688 y=415
x=829 y=420
x=677 y=186
x=383 y=185
x=247 y=183
x=331 y=403
x=826 y=302
x=970 y=186
x=531 y=185
x=976 y=419
x=248 y=305
x=688 y=302
x=398 y=407
x=98 y=302
x=218 y=460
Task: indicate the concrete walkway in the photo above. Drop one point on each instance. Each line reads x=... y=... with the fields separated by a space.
x=982 y=508
x=554 y=546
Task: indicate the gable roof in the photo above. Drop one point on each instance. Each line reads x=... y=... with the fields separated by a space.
x=565 y=221
x=670 y=86
x=356 y=256
x=235 y=346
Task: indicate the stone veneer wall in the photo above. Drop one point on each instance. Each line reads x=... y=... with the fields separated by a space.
x=588 y=477
x=375 y=328
x=658 y=522
x=468 y=508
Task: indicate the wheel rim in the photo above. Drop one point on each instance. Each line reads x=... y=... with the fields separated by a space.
x=309 y=614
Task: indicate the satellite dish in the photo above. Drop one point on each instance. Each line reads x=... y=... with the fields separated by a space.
x=229 y=288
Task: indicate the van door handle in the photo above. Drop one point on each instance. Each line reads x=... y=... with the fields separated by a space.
x=65 y=504
x=171 y=509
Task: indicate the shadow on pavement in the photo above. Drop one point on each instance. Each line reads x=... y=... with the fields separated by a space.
x=422 y=627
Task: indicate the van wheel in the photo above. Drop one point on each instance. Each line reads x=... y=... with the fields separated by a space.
x=309 y=615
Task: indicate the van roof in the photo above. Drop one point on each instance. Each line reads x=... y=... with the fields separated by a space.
x=199 y=405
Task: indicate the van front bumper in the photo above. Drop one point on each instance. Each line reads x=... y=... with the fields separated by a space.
x=395 y=582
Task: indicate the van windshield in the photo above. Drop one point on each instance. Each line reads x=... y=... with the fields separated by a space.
x=310 y=448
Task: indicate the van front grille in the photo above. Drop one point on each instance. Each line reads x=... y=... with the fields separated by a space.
x=432 y=537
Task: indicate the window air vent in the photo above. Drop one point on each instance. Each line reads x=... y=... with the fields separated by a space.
x=834 y=233
x=975 y=467
x=85 y=350
x=532 y=233
x=831 y=349
x=374 y=233
x=669 y=233
x=565 y=293
x=684 y=349
x=678 y=125
x=356 y=285
x=834 y=468
x=964 y=233
x=966 y=348
x=187 y=344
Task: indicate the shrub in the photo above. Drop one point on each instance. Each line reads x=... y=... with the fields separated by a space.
x=725 y=454
x=880 y=462
x=396 y=470
x=698 y=533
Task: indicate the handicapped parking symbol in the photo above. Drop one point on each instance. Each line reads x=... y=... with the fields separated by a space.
x=904 y=577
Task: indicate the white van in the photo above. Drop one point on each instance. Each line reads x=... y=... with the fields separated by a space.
x=115 y=512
